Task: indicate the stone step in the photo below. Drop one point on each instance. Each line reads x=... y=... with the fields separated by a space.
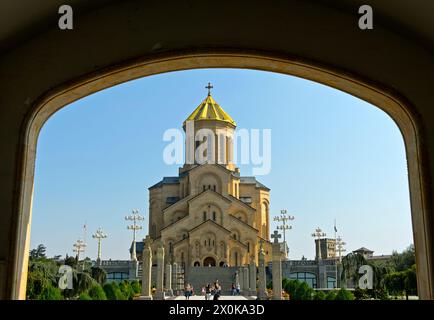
x=200 y=276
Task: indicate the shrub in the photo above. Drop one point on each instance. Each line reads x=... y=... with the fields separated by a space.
x=361 y=294
x=126 y=290
x=84 y=296
x=331 y=295
x=113 y=292
x=136 y=286
x=344 y=294
x=51 y=293
x=319 y=295
x=298 y=290
x=83 y=282
x=97 y=293
x=36 y=283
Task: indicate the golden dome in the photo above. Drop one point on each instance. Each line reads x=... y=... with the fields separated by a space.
x=209 y=109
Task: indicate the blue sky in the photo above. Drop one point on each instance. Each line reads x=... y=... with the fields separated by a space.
x=333 y=157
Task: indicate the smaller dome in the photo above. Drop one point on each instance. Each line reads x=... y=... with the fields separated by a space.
x=209 y=109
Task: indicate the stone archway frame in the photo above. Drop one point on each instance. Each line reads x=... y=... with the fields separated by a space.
x=209 y=257
x=391 y=102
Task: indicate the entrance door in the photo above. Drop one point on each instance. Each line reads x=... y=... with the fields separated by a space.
x=209 y=261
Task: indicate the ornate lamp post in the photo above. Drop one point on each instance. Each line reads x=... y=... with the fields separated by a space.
x=340 y=248
x=284 y=219
x=79 y=246
x=135 y=217
x=99 y=235
x=319 y=235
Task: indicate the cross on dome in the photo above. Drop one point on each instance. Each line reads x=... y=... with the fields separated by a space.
x=209 y=87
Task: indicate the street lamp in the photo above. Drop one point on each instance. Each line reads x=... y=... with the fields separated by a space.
x=99 y=235
x=283 y=219
x=79 y=246
x=135 y=217
x=340 y=247
x=319 y=234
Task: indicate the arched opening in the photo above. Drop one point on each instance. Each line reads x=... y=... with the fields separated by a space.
x=209 y=262
x=23 y=236
x=196 y=264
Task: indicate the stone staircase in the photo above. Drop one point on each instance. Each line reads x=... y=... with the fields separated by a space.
x=200 y=276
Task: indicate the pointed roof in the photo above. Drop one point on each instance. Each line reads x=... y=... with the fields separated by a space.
x=209 y=109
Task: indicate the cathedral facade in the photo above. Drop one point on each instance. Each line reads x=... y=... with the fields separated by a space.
x=209 y=215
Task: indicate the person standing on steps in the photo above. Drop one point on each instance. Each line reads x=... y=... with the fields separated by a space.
x=208 y=290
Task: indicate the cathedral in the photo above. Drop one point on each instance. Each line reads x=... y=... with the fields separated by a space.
x=210 y=215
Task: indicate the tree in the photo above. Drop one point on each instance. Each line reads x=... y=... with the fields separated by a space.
x=350 y=267
x=410 y=281
x=403 y=261
x=99 y=274
x=83 y=282
x=394 y=283
x=71 y=261
x=38 y=253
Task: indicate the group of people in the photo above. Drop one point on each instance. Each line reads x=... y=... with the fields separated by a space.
x=235 y=289
x=209 y=291
x=188 y=291
x=212 y=290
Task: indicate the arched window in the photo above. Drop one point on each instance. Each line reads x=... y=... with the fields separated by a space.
x=331 y=282
x=214 y=187
x=214 y=215
x=248 y=246
x=204 y=215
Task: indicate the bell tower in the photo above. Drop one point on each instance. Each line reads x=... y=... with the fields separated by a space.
x=209 y=135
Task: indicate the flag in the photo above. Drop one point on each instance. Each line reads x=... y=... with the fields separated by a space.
x=336 y=230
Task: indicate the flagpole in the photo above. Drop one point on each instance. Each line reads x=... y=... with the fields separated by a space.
x=336 y=262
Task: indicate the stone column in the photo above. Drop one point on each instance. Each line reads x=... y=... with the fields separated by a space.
x=262 y=282
x=133 y=267
x=146 y=269
x=168 y=286
x=245 y=288
x=159 y=294
x=237 y=277
x=175 y=278
x=252 y=276
x=276 y=270
x=240 y=278
x=322 y=274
